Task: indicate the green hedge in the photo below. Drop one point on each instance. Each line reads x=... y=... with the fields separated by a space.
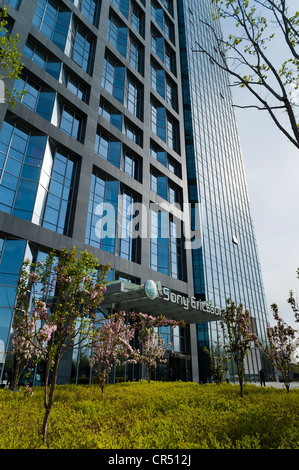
x=159 y=415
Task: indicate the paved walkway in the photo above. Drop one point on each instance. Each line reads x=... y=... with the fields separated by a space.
x=277 y=384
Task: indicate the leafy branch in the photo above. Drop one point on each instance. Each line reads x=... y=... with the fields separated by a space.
x=10 y=59
x=249 y=60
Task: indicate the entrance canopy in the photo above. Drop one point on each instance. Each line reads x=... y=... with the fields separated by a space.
x=154 y=299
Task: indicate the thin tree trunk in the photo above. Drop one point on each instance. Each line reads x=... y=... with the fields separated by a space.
x=49 y=402
x=20 y=366
x=240 y=369
x=46 y=384
x=241 y=386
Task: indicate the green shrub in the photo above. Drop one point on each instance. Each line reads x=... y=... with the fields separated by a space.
x=159 y=415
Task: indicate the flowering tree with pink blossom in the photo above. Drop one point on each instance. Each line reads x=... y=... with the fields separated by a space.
x=141 y=320
x=24 y=323
x=110 y=344
x=152 y=346
x=281 y=347
x=218 y=360
x=239 y=339
x=56 y=309
x=294 y=304
x=153 y=350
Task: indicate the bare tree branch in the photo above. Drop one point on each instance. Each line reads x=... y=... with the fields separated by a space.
x=256 y=107
x=265 y=81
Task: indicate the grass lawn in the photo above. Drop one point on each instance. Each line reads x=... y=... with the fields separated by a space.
x=159 y=415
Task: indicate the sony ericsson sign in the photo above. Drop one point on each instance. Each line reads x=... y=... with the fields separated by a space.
x=189 y=302
x=151 y=290
x=152 y=293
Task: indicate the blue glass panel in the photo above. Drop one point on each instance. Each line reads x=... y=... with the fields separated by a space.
x=122 y=41
x=161 y=82
x=59 y=166
x=19 y=85
x=53 y=68
x=39 y=58
x=25 y=196
x=110 y=276
x=89 y=9
x=160 y=47
x=5 y=135
x=58 y=207
x=30 y=172
x=6 y=196
x=161 y=123
x=13 y=166
x=45 y=104
x=12 y=257
x=7 y=296
x=59 y=38
x=111 y=194
x=102 y=190
x=56 y=188
x=162 y=186
x=117 y=120
x=36 y=147
x=159 y=17
x=30 y=98
x=4 y=208
x=14 y=3
x=124 y=7
x=114 y=153
x=18 y=143
x=5 y=320
x=37 y=18
x=163 y=257
x=76 y=127
x=53 y=201
x=119 y=84
x=10 y=266
x=29 y=49
x=162 y=157
x=70 y=167
x=9 y=181
x=51 y=216
x=81 y=51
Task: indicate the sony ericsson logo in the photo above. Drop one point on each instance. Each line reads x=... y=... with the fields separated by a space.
x=152 y=293
x=151 y=290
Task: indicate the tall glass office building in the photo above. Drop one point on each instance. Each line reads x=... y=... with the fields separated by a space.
x=123 y=123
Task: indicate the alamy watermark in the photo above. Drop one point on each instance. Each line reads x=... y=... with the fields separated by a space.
x=138 y=220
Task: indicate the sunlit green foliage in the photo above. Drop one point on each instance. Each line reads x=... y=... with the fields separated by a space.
x=163 y=415
x=10 y=59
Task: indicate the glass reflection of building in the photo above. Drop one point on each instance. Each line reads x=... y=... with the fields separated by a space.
x=227 y=265
x=118 y=110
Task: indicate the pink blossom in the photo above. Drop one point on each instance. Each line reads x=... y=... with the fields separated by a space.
x=33 y=277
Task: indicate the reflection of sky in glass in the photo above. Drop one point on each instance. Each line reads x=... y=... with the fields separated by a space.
x=11 y=258
x=224 y=269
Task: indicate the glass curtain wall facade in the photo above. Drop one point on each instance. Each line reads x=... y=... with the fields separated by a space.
x=118 y=111
x=99 y=124
x=227 y=265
